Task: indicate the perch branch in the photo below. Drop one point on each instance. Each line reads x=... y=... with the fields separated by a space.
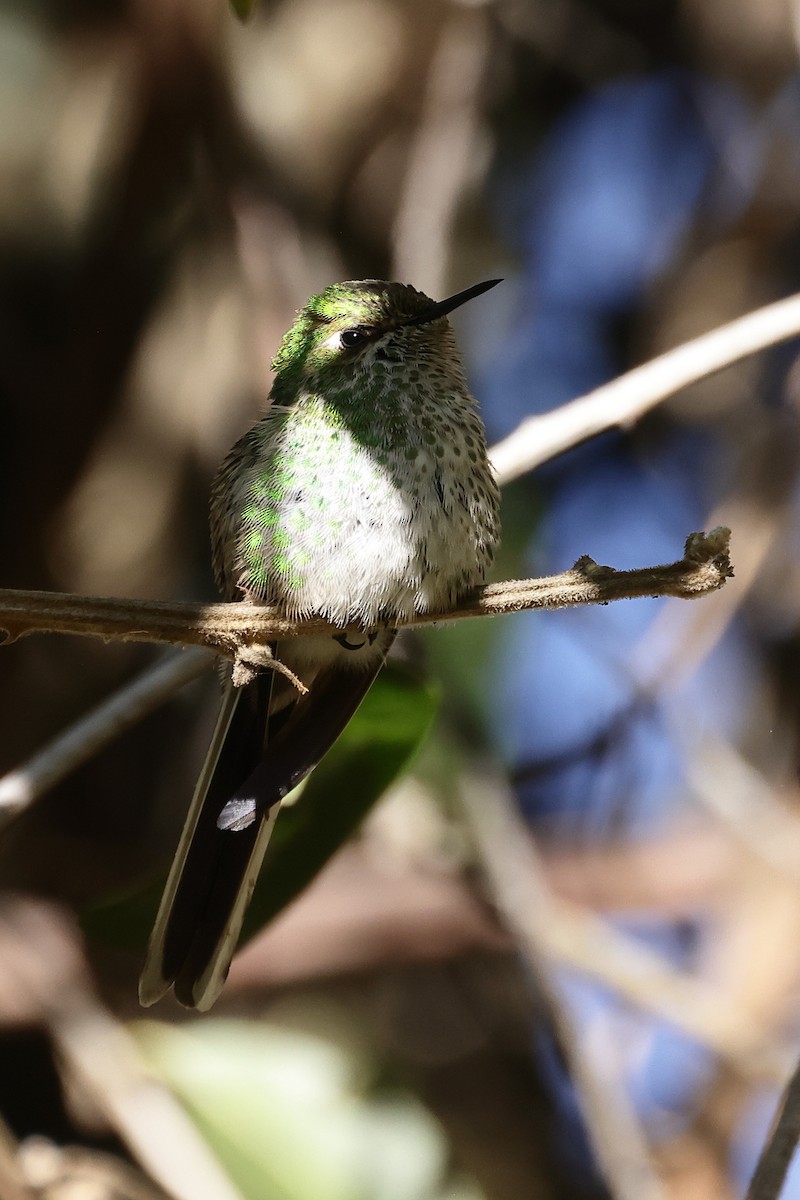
x=230 y=628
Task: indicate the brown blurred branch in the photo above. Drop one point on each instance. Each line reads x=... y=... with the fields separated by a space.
x=773 y=1165
x=552 y=932
x=558 y=930
x=91 y=733
x=45 y=981
x=531 y=914
x=625 y=400
x=228 y=628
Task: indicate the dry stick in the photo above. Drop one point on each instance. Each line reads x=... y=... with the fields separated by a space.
x=573 y=935
x=677 y=641
x=773 y=1165
x=705 y=568
x=525 y=904
x=45 y=969
x=623 y=401
x=231 y=628
x=91 y=733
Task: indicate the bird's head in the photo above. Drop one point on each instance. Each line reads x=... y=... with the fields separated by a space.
x=351 y=326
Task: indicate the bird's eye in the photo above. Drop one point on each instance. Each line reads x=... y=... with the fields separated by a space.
x=352 y=337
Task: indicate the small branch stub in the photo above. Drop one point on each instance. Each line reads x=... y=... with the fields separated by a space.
x=250 y=660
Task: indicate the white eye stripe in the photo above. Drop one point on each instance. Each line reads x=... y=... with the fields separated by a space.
x=333 y=342
x=345 y=339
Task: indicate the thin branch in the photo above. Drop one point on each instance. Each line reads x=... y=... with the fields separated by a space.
x=229 y=628
x=763 y=821
x=536 y=440
x=625 y=400
x=773 y=1165
x=572 y=935
x=91 y=733
x=45 y=979
x=528 y=911
x=705 y=568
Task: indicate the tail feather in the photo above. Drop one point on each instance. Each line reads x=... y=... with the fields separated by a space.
x=206 y=859
x=256 y=757
x=202 y=975
x=315 y=724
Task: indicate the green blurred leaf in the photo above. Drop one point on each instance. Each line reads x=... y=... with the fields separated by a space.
x=243 y=8
x=374 y=749
x=290 y=1114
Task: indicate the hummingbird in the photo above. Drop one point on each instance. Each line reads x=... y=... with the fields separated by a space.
x=363 y=496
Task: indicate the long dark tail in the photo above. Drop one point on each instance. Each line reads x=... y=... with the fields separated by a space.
x=209 y=868
x=253 y=761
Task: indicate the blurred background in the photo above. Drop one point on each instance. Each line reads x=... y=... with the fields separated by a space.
x=449 y=1010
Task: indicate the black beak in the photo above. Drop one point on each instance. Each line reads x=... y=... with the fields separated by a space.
x=442 y=307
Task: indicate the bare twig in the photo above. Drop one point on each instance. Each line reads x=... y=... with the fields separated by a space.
x=228 y=628
x=625 y=400
x=744 y=802
x=534 y=442
x=773 y=1165
x=572 y=935
x=45 y=979
x=233 y=627
x=527 y=909
x=87 y=736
